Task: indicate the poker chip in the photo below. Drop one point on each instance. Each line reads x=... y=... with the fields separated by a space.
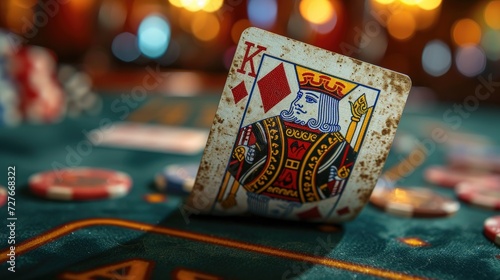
x=450 y=177
x=492 y=229
x=80 y=99
x=177 y=178
x=80 y=184
x=10 y=114
x=41 y=97
x=414 y=202
x=484 y=193
x=3 y=196
x=484 y=158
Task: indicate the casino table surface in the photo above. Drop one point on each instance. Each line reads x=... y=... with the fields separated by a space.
x=139 y=237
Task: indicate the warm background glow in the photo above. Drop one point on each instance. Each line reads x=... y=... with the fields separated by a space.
x=440 y=44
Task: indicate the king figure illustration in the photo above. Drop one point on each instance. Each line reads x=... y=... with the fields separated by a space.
x=299 y=156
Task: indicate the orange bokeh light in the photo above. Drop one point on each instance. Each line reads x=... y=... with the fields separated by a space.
x=466 y=31
x=429 y=4
x=316 y=11
x=492 y=14
x=205 y=26
x=401 y=25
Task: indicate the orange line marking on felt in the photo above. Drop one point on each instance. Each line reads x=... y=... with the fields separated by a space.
x=50 y=235
x=129 y=269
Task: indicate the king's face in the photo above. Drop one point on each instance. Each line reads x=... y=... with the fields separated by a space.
x=305 y=103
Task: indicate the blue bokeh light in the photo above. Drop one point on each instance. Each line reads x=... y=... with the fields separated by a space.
x=124 y=47
x=262 y=13
x=154 y=36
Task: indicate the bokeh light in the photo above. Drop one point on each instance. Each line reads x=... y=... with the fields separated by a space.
x=213 y=5
x=410 y=2
x=385 y=2
x=112 y=14
x=124 y=47
x=326 y=27
x=429 y=4
x=470 y=60
x=401 y=25
x=198 y=5
x=185 y=19
x=172 y=54
x=436 y=58
x=205 y=26
x=466 y=31
x=262 y=13
x=492 y=14
x=375 y=49
x=316 y=11
x=25 y=4
x=193 y=5
x=491 y=44
x=425 y=19
x=153 y=36
x=177 y=3
x=17 y=13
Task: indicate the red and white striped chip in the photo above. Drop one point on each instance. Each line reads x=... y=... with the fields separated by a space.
x=492 y=229
x=483 y=193
x=450 y=177
x=80 y=184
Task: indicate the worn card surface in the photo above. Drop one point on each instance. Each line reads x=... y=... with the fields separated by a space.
x=301 y=133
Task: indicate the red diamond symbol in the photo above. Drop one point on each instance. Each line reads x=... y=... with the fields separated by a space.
x=343 y=211
x=309 y=214
x=239 y=92
x=273 y=87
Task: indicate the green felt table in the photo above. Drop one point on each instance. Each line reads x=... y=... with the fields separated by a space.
x=134 y=237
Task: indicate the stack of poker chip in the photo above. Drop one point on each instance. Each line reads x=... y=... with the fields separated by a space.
x=177 y=178
x=473 y=184
x=405 y=201
x=80 y=99
x=41 y=97
x=10 y=114
x=32 y=89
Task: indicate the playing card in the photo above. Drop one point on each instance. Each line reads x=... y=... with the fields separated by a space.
x=301 y=133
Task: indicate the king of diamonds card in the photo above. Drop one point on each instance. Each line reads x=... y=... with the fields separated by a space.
x=300 y=133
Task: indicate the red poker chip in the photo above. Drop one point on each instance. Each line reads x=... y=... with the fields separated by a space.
x=3 y=196
x=413 y=202
x=80 y=184
x=450 y=177
x=484 y=194
x=492 y=229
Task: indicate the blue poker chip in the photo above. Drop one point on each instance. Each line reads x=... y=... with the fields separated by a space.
x=177 y=178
